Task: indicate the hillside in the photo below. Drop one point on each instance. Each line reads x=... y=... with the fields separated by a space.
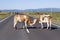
x=34 y=10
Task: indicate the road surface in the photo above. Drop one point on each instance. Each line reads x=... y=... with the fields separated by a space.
x=7 y=32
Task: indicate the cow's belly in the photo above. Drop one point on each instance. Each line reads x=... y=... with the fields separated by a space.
x=45 y=21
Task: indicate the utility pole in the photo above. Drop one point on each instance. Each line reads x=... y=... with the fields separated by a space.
x=51 y=11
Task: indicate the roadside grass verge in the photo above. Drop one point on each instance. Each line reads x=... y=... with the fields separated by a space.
x=4 y=14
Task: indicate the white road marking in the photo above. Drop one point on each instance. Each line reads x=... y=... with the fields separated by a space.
x=55 y=25
x=5 y=18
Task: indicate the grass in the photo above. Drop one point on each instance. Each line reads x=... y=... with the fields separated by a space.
x=55 y=16
x=3 y=15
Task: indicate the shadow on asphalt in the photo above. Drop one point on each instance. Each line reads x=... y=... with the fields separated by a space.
x=52 y=28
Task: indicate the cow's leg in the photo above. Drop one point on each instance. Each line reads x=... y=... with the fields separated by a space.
x=47 y=25
x=26 y=27
x=15 y=22
x=50 y=24
x=41 y=25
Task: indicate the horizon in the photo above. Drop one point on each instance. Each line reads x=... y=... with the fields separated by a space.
x=28 y=4
x=28 y=9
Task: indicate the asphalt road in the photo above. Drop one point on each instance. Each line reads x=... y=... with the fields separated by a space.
x=7 y=32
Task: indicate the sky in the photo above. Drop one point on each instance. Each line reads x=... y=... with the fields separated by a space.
x=29 y=4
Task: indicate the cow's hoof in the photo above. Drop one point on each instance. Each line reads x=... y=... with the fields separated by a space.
x=23 y=27
x=15 y=28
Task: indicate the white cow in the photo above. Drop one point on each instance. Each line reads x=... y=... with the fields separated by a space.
x=44 y=19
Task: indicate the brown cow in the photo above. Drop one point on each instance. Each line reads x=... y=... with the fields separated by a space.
x=25 y=19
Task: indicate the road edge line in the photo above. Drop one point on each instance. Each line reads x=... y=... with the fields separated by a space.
x=5 y=18
x=55 y=24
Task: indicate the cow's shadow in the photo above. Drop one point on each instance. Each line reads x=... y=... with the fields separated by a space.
x=52 y=28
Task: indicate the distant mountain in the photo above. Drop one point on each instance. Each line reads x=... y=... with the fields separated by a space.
x=34 y=10
x=15 y=10
x=43 y=10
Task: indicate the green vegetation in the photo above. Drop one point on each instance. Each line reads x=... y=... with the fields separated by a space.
x=55 y=15
x=4 y=14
